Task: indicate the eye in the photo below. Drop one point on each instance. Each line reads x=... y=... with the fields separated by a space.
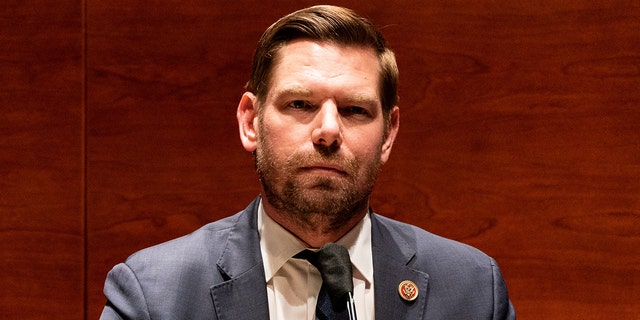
x=300 y=104
x=354 y=111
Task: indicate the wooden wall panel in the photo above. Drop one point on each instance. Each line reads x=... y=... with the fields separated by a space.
x=163 y=151
x=41 y=161
x=520 y=135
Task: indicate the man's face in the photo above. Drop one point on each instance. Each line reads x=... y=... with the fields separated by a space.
x=320 y=132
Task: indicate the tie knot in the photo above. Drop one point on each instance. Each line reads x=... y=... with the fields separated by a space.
x=309 y=255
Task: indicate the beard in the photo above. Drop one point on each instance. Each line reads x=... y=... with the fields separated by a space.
x=306 y=197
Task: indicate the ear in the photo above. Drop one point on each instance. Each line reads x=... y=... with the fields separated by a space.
x=247 y=115
x=394 y=125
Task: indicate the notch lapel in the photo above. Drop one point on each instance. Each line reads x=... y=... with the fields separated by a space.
x=243 y=296
x=392 y=254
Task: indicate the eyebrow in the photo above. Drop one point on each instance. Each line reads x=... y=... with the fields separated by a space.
x=294 y=91
x=363 y=99
x=300 y=91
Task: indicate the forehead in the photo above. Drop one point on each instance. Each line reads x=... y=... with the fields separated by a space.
x=307 y=64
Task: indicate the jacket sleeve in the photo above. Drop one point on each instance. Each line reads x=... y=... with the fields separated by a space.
x=502 y=306
x=125 y=299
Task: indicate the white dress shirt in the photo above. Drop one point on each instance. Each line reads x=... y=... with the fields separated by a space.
x=293 y=284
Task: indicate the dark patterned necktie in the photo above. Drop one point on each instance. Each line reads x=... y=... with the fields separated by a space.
x=325 y=309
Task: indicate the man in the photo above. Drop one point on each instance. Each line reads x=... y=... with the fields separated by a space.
x=320 y=116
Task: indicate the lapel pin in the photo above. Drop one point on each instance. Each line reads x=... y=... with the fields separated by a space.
x=408 y=290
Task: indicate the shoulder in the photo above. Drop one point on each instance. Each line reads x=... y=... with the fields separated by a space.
x=201 y=247
x=432 y=251
x=462 y=280
x=188 y=265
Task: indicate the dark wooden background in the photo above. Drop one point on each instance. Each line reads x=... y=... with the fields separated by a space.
x=520 y=135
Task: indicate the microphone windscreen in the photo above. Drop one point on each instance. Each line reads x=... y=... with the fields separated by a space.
x=335 y=266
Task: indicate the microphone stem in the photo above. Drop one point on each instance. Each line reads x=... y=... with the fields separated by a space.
x=351 y=307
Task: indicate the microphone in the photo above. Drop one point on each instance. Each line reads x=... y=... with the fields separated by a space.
x=334 y=264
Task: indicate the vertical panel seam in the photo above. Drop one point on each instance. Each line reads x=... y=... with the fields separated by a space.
x=84 y=108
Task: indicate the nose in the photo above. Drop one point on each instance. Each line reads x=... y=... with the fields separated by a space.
x=328 y=127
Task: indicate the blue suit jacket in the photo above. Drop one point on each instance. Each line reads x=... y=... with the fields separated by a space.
x=216 y=272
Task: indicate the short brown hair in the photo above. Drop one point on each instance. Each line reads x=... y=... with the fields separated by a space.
x=324 y=23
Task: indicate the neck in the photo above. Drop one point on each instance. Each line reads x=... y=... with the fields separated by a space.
x=316 y=229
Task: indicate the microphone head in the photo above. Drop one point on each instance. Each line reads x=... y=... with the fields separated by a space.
x=337 y=274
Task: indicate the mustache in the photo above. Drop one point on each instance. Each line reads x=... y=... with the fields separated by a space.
x=334 y=159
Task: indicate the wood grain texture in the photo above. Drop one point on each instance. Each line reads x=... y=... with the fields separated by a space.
x=162 y=144
x=520 y=135
x=41 y=161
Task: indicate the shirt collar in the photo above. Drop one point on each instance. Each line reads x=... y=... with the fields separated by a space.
x=277 y=245
x=280 y=245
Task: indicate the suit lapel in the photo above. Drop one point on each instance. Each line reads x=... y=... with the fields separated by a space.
x=243 y=295
x=242 y=298
x=392 y=253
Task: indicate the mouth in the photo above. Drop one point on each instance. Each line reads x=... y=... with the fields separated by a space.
x=325 y=169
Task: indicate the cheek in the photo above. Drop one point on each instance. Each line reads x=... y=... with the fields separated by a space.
x=367 y=150
x=282 y=140
x=368 y=141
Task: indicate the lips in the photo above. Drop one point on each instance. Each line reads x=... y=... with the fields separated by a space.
x=325 y=167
